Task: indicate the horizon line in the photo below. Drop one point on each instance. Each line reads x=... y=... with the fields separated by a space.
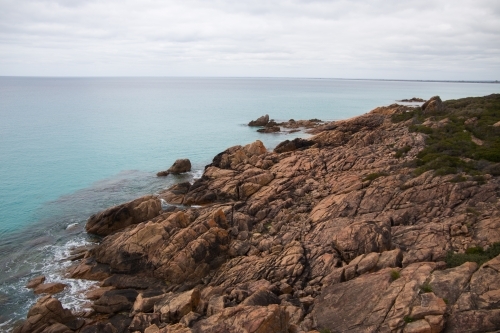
x=247 y=77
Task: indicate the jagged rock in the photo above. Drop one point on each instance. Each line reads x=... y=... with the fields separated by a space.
x=251 y=319
x=34 y=282
x=434 y=104
x=146 y=301
x=175 y=306
x=115 y=301
x=343 y=231
x=175 y=194
x=179 y=253
x=261 y=121
x=141 y=321
x=269 y=129
x=180 y=166
x=89 y=269
x=46 y=313
x=121 y=216
x=261 y=297
x=288 y=145
x=49 y=288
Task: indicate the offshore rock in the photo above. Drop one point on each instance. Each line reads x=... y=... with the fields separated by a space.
x=124 y=215
x=180 y=166
x=261 y=121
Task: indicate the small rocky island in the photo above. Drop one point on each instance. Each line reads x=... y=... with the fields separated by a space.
x=386 y=222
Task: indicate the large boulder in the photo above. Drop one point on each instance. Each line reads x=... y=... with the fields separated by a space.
x=121 y=216
x=48 y=314
x=180 y=166
x=261 y=121
x=434 y=104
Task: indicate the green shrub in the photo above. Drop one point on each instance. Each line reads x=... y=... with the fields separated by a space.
x=448 y=147
x=473 y=254
x=375 y=175
x=324 y=330
x=408 y=319
x=395 y=275
x=402 y=151
x=426 y=288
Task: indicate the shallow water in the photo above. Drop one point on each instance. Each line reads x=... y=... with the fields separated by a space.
x=70 y=147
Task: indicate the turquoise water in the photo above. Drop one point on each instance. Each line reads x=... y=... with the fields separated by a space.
x=72 y=146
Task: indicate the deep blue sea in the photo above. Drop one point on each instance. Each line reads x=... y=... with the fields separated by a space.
x=70 y=147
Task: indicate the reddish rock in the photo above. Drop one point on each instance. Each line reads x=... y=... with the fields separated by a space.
x=124 y=215
x=50 y=288
x=35 y=282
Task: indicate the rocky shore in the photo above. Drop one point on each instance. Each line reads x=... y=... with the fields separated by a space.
x=361 y=228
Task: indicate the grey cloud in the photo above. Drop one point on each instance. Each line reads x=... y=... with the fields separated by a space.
x=242 y=38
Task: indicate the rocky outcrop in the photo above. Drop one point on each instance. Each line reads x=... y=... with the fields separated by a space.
x=180 y=166
x=48 y=315
x=434 y=104
x=261 y=121
x=124 y=215
x=335 y=233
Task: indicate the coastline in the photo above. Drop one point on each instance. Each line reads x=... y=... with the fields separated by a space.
x=273 y=240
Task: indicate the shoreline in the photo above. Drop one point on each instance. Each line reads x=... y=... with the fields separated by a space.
x=291 y=215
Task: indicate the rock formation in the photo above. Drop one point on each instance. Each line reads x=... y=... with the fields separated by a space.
x=336 y=233
x=261 y=121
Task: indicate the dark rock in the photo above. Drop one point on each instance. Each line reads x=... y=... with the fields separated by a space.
x=122 y=281
x=180 y=166
x=121 y=216
x=295 y=144
x=261 y=121
x=272 y=129
x=261 y=297
x=35 y=281
x=434 y=104
x=115 y=301
x=162 y=174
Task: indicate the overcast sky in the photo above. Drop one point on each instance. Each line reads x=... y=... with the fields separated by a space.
x=388 y=39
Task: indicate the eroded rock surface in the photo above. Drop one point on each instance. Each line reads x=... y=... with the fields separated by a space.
x=335 y=232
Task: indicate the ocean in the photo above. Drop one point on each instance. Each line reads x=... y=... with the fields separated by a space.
x=70 y=147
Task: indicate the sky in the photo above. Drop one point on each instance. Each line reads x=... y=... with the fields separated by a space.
x=370 y=39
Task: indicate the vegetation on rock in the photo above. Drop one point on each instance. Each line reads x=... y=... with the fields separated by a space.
x=461 y=138
x=473 y=254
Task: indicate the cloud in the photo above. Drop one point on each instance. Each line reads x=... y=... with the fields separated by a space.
x=365 y=39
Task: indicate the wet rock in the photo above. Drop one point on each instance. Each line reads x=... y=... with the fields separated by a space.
x=175 y=194
x=124 y=215
x=180 y=166
x=261 y=121
x=50 y=288
x=34 y=282
x=269 y=129
x=46 y=313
